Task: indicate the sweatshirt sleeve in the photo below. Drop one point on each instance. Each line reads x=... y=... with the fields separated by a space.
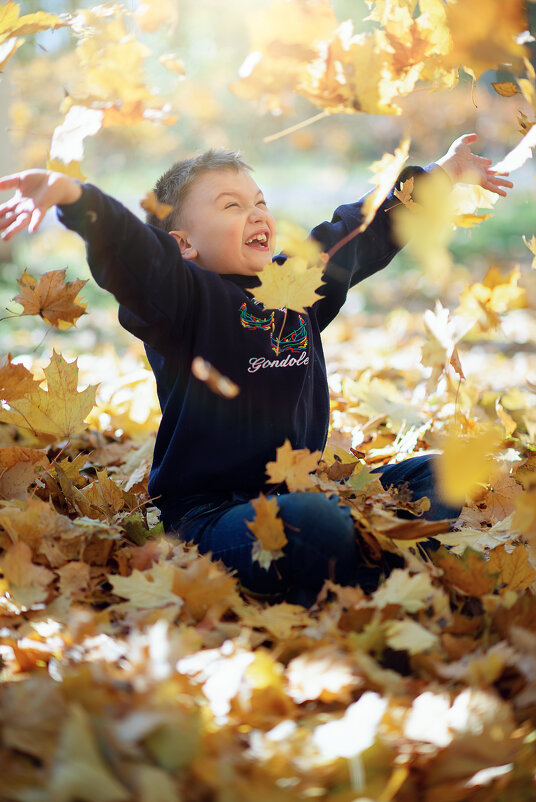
x=139 y=264
x=364 y=254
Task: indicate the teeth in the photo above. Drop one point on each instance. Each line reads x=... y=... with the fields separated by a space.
x=257 y=238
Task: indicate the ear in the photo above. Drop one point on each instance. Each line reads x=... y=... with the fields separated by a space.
x=187 y=249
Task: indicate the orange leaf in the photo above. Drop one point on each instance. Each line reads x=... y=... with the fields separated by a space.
x=266 y=526
x=153 y=206
x=471 y=573
x=16 y=381
x=505 y=88
x=52 y=298
x=293 y=466
x=514 y=569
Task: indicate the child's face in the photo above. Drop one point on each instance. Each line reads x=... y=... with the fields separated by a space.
x=227 y=227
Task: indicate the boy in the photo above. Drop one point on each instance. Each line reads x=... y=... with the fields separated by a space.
x=182 y=285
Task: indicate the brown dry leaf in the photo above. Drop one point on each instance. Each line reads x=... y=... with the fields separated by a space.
x=215 y=380
x=513 y=568
x=17 y=470
x=74 y=578
x=106 y=497
x=498 y=500
x=28 y=583
x=57 y=412
x=52 y=298
x=404 y=193
x=151 y=204
x=204 y=586
x=472 y=573
x=16 y=381
x=293 y=466
x=34 y=520
x=292 y=285
x=505 y=88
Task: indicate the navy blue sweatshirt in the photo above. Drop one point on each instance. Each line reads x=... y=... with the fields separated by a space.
x=209 y=446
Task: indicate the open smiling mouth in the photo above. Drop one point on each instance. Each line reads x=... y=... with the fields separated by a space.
x=258 y=242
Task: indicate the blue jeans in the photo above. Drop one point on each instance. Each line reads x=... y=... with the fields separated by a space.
x=322 y=542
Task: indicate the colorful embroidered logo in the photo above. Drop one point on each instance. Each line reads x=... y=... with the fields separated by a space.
x=295 y=342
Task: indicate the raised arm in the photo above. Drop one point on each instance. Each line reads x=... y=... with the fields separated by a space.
x=139 y=264
x=370 y=251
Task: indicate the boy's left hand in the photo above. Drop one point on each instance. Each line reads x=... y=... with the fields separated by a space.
x=461 y=164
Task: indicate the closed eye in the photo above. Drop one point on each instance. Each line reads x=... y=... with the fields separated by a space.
x=262 y=203
x=228 y=205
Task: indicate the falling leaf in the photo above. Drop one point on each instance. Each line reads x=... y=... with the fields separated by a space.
x=505 y=88
x=52 y=298
x=68 y=139
x=172 y=63
x=72 y=169
x=404 y=193
x=215 y=381
x=485 y=301
x=386 y=171
x=531 y=245
x=291 y=285
x=154 y=14
x=153 y=206
x=465 y=462
x=57 y=412
x=485 y=35
x=269 y=531
x=293 y=466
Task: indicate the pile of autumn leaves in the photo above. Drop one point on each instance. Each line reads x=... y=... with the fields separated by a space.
x=135 y=669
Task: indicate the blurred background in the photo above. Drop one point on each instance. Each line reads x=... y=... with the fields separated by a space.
x=304 y=175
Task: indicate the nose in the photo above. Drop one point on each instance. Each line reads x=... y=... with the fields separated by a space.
x=257 y=215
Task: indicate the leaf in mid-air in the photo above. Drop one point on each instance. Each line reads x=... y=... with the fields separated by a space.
x=52 y=298
x=292 y=285
x=151 y=204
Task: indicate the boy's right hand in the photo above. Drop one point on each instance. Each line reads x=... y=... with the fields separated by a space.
x=36 y=191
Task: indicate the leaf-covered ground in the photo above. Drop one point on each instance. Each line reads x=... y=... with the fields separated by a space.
x=135 y=669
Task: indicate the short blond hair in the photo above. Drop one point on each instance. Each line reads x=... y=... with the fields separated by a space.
x=172 y=188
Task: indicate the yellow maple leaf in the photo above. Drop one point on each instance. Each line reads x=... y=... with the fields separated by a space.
x=148 y=589
x=52 y=298
x=72 y=169
x=151 y=204
x=409 y=636
x=484 y=35
x=514 y=570
x=444 y=334
x=267 y=527
x=471 y=573
x=292 y=285
x=404 y=193
x=496 y=294
x=412 y=592
x=57 y=412
x=293 y=467
x=466 y=462
x=15 y=380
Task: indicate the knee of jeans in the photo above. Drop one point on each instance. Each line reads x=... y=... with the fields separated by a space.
x=318 y=519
